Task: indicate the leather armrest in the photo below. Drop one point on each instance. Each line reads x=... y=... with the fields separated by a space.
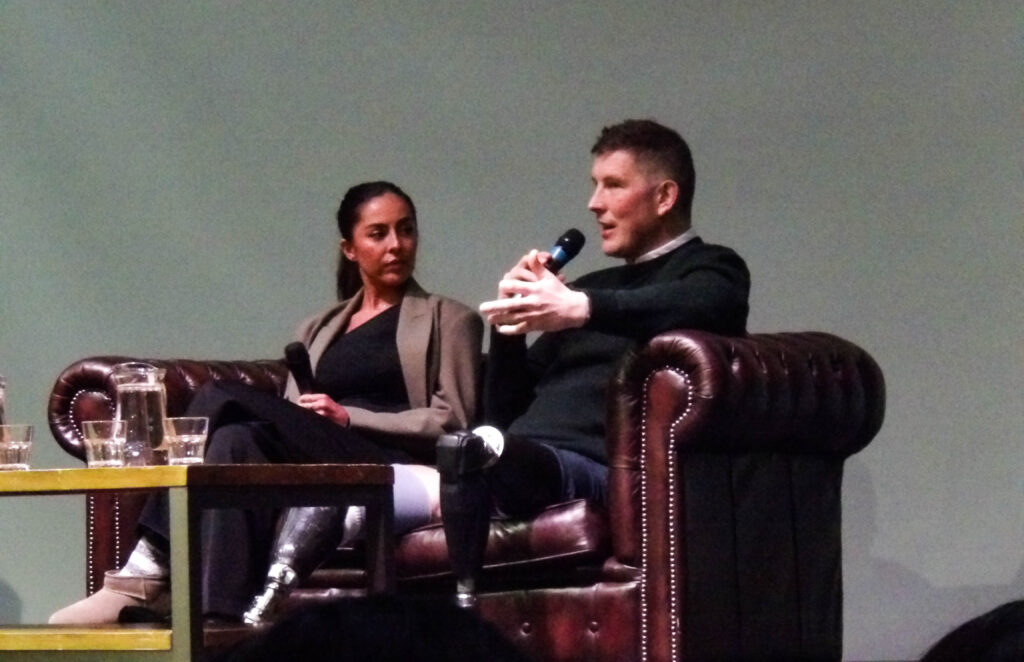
x=692 y=391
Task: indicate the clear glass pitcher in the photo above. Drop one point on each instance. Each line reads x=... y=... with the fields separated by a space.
x=3 y=400
x=142 y=404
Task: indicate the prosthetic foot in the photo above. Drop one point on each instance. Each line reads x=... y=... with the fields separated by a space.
x=306 y=537
x=462 y=458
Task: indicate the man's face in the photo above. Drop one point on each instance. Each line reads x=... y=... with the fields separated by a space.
x=626 y=204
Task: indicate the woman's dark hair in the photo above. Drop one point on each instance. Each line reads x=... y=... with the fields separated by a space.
x=995 y=636
x=348 y=281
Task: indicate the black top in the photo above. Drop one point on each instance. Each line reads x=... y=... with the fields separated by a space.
x=554 y=392
x=361 y=368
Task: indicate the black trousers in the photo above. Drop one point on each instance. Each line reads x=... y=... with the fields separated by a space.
x=531 y=475
x=248 y=426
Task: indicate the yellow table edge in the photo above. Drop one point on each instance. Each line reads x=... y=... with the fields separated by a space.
x=77 y=480
x=49 y=638
x=57 y=481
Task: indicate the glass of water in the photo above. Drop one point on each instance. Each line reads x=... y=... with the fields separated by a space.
x=185 y=439
x=104 y=442
x=15 y=446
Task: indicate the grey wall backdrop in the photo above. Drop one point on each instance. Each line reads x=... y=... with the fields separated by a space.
x=169 y=170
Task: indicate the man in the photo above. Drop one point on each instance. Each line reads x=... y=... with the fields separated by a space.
x=550 y=397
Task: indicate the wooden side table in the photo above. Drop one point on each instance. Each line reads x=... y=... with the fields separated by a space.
x=192 y=489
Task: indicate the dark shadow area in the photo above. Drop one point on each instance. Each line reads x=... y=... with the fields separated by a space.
x=996 y=636
x=381 y=628
x=890 y=611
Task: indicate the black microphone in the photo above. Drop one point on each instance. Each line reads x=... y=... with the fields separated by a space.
x=297 y=358
x=565 y=249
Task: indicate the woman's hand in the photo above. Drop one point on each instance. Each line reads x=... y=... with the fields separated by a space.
x=325 y=406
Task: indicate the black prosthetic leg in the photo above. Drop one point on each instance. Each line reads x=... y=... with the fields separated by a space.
x=462 y=458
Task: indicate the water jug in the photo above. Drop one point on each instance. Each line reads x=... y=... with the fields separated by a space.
x=3 y=400
x=142 y=404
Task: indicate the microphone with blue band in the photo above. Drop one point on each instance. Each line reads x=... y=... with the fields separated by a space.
x=566 y=248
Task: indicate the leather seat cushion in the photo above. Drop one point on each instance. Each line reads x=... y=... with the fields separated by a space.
x=562 y=536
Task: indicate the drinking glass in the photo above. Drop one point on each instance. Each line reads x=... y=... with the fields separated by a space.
x=104 y=442
x=185 y=439
x=15 y=446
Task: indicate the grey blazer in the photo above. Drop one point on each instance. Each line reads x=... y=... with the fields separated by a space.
x=439 y=344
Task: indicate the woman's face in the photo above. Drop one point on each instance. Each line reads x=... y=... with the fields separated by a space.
x=383 y=243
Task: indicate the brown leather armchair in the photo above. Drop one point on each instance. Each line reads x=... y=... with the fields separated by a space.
x=721 y=539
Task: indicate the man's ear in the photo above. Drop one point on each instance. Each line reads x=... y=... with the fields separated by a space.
x=666 y=195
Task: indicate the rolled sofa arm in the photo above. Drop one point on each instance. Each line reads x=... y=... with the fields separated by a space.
x=84 y=390
x=725 y=470
x=807 y=392
x=693 y=391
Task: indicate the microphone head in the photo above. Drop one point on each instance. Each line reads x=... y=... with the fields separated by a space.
x=295 y=351
x=296 y=356
x=566 y=248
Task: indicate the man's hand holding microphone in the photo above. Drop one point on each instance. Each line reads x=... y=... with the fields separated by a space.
x=532 y=297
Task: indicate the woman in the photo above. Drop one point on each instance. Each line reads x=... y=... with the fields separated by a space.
x=396 y=367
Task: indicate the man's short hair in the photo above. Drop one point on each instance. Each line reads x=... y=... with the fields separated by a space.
x=657 y=145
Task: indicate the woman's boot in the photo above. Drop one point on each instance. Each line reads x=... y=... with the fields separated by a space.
x=144 y=582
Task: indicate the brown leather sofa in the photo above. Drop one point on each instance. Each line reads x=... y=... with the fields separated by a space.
x=722 y=536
